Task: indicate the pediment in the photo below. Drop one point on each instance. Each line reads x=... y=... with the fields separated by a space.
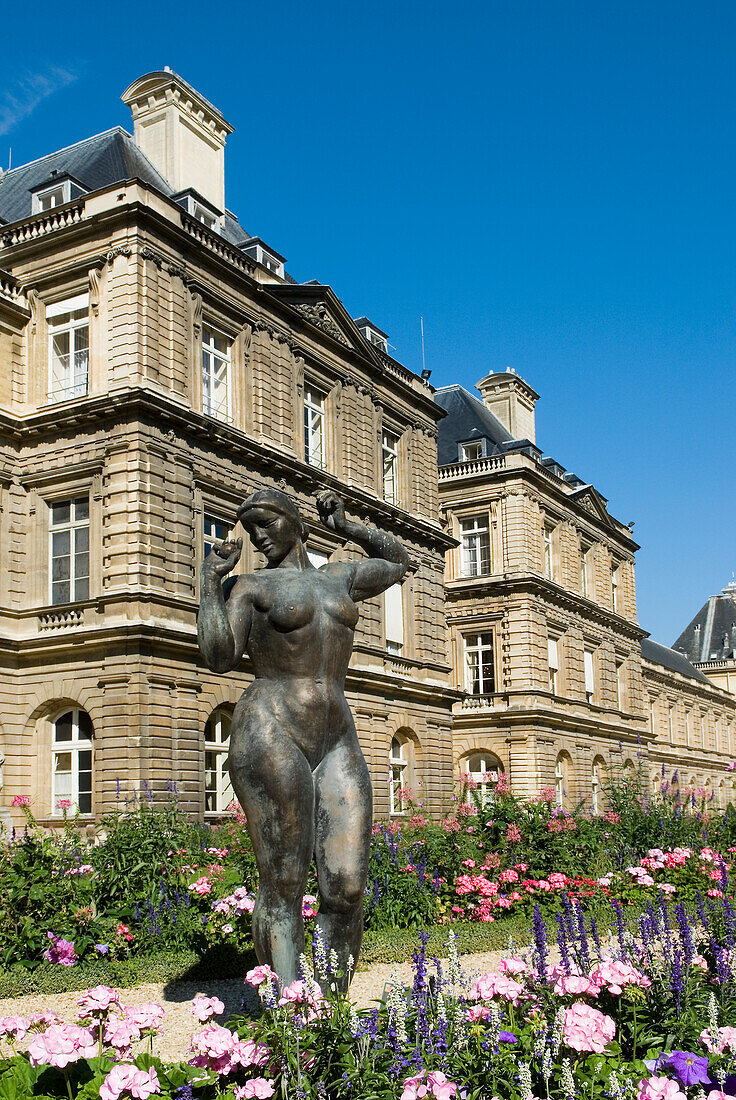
x=321 y=308
x=592 y=502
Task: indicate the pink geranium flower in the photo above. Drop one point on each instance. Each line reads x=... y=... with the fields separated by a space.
x=124 y=1078
x=493 y=985
x=660 y=1088
x=61 y=951
x=61 y=1045
x=146 y=1017
x=203 y=1008
x=258 y=1087
x=98 y=1001
x=15 y=1027
x=586 y=1029
x=259 y=974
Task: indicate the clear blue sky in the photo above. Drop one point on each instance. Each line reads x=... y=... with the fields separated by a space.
x=550 y=184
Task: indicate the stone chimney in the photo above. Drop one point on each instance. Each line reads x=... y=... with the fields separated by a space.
x=181 y=133
x=512 y=401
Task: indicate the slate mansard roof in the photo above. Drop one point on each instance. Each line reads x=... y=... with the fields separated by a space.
x=671 y=659
x=95 y=163
x=467 y=418
x=711 y=636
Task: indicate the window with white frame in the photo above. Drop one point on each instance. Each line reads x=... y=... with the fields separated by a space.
x=563 y=780
x=652 y=713
x=393 y=611
x=584 y=586
x=69 y=550
x=553 y=664
x=589 y=667
x=315 y=450
x=480 y=672
x=475 y=540
x=390 y=460
x=398 y=776
x=671 y=722
x=470 y=452
x=620 y=684
x=216 y=363
x=68 y=325
x=688 y=727
x=483 y=769
x=71 y=763
x=218 y=791
x=50 y=199
x=214 y=530
x=598 y=773
x=615 y=592
x=548 y=551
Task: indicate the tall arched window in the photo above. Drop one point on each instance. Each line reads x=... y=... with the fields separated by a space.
x=483 y=768
x=71 y=763
x=597 y=779
x=563 y=780
x=218 y=791
x=399 y=775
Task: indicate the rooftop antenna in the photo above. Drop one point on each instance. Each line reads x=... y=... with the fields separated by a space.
x=10 y=157
x=421 y=326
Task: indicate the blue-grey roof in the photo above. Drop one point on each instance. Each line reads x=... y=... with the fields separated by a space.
x=671 y=659
x=467 y=418
x=96 y=163
x=711 y=636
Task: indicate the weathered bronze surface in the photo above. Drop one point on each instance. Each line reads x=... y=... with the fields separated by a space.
x=295 y=762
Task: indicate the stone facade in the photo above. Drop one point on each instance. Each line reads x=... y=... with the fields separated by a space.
x=541 y=609
x=201 y=361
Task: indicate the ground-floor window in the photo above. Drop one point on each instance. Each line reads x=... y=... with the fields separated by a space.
x=218 y=791
x=71 y=763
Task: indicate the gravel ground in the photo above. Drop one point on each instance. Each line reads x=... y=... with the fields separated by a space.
x=178 y=1025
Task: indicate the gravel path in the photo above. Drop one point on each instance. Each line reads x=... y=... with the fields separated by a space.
x=178 y=1025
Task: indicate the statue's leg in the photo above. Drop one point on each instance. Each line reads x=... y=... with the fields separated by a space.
x=273 y=781
x=343 y=814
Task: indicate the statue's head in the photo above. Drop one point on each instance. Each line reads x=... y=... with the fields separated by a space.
x=273 y=523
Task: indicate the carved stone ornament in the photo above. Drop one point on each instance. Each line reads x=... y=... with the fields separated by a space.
x=94 y=291
x=32 y=299
x=147 y=253
x=178 y=272
x=119 y=250
x=319 y=316
x=197 y=313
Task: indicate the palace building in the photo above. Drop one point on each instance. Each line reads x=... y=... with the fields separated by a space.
x=560 y=682
x=157 y=364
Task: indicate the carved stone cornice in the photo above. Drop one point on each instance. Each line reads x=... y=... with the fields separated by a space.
x=318 y=315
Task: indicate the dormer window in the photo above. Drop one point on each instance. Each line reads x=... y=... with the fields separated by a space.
x=373 y=334
x=265 y=256
x=469 y=452
x=199 y=209
x=55 y=192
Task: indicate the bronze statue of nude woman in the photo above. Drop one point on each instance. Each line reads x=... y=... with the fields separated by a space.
x=295 y=761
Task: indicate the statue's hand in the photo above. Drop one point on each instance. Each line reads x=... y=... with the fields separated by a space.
x=223 y=557
x=331 y=508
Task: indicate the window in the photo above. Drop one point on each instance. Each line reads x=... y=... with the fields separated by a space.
x=216 y=355
x=598 y=775
x=68 y=348
x=688 y=727
x=475 y=546
x=483 y=770
x=205 y=216
x=47 y=200
x=480 y=678
x=318 y=558
x=398 y=776
x=389 y=452
x=553 y=662
x=620 y=684
x=215 y=530
x=71 y=762
x=314 y=427
x=470 y=452
x=393 y=611
x=652 y=713
x=266 y=256
x=671 y=722
x=563 y=780
x=584 y=589
x=218 y=791
x=548 y=555
x=615 y=594
x=588 y=662
x=69 y=550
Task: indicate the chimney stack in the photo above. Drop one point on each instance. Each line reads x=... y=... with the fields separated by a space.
x=512 y=401
x=181 y=133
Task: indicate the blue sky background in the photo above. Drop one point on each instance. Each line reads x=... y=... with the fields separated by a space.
x=550 y=185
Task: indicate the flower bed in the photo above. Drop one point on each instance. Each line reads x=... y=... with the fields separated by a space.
x=646 y=1014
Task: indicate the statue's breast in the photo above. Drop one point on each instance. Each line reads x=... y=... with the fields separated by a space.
x=291 y=602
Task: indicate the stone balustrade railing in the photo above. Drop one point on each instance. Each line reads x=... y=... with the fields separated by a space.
x=48 y=222
x=55 y=620
x=472 y=468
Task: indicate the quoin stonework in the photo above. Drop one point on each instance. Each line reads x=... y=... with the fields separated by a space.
x=158 y=363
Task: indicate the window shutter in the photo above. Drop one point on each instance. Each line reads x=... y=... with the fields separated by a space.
x=394 y=614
